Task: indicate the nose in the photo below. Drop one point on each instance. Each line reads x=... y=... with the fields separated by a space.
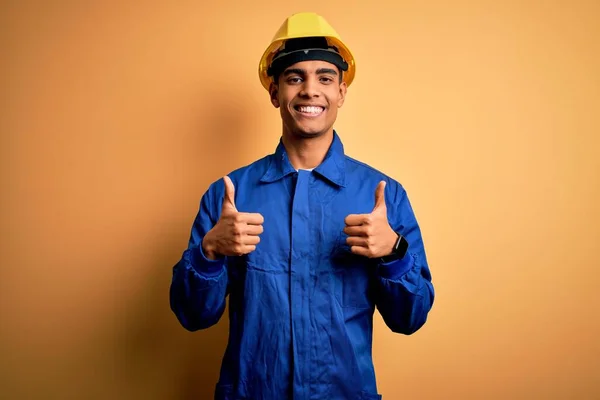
x=310 y=88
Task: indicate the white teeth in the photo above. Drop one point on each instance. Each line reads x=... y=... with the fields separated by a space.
x=311 y=109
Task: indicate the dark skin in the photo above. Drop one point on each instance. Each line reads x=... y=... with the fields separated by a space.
x=308 y=95
x=307 y=137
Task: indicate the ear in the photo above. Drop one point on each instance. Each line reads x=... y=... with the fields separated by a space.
x=273 y=92
x=342 y=94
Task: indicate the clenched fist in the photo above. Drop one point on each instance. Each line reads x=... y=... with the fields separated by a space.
x=236 y=233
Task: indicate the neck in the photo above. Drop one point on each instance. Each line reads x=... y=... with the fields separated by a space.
x=307 y=153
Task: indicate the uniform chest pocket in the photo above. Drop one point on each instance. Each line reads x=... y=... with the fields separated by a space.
x=353 y=276
x=271 y=261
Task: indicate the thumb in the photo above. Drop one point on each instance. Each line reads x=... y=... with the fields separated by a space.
x=380 y=196
x=229 y=196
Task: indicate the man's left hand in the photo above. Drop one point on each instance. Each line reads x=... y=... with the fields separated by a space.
x=371 y=235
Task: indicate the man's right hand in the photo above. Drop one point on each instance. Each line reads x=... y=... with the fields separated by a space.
x=235 y=233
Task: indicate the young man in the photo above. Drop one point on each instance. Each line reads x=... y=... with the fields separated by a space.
x=306 y=242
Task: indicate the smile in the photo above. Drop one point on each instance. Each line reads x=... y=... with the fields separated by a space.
x=311 y=111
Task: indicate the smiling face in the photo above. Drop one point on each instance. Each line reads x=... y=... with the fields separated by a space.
x=308 y=94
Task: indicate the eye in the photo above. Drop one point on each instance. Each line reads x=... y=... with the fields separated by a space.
x=294 y=79
x=326 y=79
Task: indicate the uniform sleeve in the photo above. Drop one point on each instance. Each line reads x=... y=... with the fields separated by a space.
x=405 y=292
x=199 y=285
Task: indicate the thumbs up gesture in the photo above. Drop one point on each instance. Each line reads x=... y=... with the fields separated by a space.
x=236 y=233
x=371 y=235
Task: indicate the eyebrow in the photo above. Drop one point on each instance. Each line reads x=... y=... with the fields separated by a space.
x=301 y=71
x=326 y=71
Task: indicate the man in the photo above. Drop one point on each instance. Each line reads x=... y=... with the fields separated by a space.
x=306 y=242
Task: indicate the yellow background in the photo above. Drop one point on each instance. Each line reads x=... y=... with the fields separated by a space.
x=116 y=117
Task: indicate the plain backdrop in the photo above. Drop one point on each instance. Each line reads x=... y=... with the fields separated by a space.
x=116 y=116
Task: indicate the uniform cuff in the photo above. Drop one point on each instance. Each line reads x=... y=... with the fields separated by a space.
x=204 y=265
x=394 y=270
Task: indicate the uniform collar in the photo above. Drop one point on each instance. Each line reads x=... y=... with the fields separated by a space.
x=332 y=167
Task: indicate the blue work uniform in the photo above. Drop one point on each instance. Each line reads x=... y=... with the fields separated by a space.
x=301 y=305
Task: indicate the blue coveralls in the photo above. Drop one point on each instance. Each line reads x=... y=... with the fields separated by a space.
x=301 y=305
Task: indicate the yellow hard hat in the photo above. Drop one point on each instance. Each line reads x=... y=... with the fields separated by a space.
x=304 y=25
